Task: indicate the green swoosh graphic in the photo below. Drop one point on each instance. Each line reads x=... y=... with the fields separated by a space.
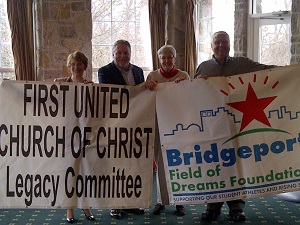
x=256 y=131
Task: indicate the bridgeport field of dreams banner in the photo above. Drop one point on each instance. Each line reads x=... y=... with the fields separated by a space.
x=66 y=145
x=231 y=138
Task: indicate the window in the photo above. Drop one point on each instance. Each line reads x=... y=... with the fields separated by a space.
x=121 y=19
x=6 y=56
x=212 y=17
x=269 y=6
x=270 y=30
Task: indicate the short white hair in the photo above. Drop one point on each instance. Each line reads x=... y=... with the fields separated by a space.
x=169 y=49
x=217 y=33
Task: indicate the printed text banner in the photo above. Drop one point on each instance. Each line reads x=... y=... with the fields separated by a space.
x=75 y=145
x=231 y=138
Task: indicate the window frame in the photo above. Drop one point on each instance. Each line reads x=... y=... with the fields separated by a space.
x=259 y=19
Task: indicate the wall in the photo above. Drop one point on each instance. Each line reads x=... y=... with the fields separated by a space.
x=62 y=28
x=295 y=30
x=240 y=27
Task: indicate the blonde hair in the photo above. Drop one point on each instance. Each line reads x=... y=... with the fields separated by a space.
x=79 y=56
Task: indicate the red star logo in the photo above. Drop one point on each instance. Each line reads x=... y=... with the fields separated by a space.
x=253 y=108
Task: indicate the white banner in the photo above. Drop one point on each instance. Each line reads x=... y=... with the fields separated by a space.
x=70 y=145
x=231 y=138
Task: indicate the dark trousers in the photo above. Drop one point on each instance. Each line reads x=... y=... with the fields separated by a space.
x=233 y=205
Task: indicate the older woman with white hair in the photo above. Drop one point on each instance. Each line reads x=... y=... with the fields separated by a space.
x=166 y=73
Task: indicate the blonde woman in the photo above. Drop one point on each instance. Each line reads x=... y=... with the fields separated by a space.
x=77 y=62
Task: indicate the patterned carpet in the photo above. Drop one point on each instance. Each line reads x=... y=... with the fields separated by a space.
x=269 y=210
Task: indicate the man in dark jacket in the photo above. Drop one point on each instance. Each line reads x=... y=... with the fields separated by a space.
x=121 y=72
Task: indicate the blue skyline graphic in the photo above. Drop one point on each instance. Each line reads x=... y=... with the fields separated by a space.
x=272 y=114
